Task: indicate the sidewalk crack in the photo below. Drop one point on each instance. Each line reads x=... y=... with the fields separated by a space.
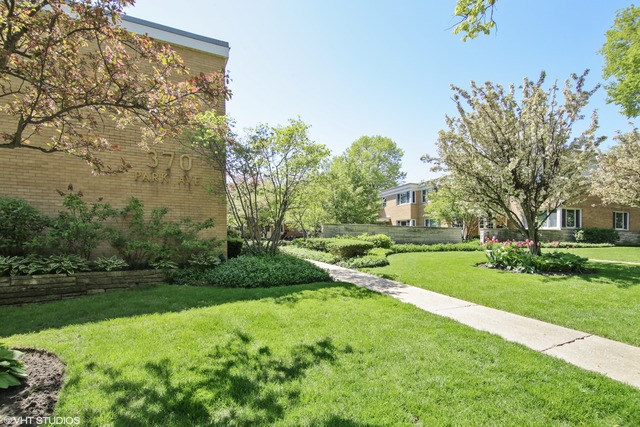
x=568 y=342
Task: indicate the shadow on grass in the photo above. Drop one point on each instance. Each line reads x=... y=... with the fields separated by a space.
x=157 y=299
x=239 y=383
x=621 y=275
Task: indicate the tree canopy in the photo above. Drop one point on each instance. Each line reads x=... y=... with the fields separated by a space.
x=621 y=52
x=68 y=69
x=515 y=153
x=369 y=165
x=617 y=176
x=266 y=170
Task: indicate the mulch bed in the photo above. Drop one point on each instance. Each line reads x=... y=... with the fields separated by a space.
x=37 y=396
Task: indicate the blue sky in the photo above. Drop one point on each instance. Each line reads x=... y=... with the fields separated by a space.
x=353 y=67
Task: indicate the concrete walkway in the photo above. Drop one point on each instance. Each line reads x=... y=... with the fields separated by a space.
x=614 y=359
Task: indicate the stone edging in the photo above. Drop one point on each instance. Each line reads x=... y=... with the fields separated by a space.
x=50 y=287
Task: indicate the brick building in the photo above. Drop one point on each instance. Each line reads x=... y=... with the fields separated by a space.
x=404 y=206
x=164 y=176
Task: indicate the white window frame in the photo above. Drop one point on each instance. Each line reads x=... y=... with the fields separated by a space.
x=625 y=220
x=409 y=195
x=577 y=224
x=410 y=223
x=554 y=214
x=424 y=196
x=384 y=202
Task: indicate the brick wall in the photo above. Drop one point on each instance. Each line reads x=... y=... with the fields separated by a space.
x=418 y=235
x=596 y=214
x=179 y=181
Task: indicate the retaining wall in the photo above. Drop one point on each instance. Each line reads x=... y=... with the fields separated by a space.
x=50 y=287
x=418 y=235
x=503 y=234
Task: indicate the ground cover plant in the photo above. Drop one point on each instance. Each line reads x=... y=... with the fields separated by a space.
x=517 y=257
x=12 y=371
x=603 y=303
x=326 y=354
x=253 y=271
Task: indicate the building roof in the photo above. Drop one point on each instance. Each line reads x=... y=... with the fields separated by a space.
x=175 y=36
x=409 y=186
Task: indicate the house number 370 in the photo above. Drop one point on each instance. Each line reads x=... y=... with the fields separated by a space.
x=185 y=159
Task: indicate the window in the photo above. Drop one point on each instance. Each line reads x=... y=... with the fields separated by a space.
x=571 y=218
x=384 y=202
x=550 y=221
x=486 y=223
x=621 y=220
x=406 y=223
x=424 y=196
x=428 y=222
x=406 y=197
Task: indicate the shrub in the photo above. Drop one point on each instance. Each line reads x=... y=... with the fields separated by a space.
x=265 y=271
x=110 y=264
x=517 y=258
x=80 y=227
x=596 y=235
x=204 y=261
x=309 y=254
x=64 y=264
x=556 y=245
x=315 y=244
x=474 y=245
x=234 y=247
x=34 y=264
x=368 y=261
x=12 y=371
x=348 y=248
x=143 y=241
x=378 y=240
x=380 y=252
x=20 y=224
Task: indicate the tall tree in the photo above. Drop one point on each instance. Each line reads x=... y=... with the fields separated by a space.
x=68 y=66
x=369 y=165
x=515 y=153
x=617 y=177
x=266 y=172
x=621 y=52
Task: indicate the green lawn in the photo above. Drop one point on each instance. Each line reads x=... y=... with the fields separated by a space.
x=618 y=253
x=606 y=303
x=327 y=354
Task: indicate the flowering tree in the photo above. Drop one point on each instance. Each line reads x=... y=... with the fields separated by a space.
x=266 y=172
x=68 y=69
x=617 y=177
x=515 y=154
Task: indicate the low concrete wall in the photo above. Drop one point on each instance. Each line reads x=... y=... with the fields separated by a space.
x=503 y=234
x=50 y=287
x=419 y=235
